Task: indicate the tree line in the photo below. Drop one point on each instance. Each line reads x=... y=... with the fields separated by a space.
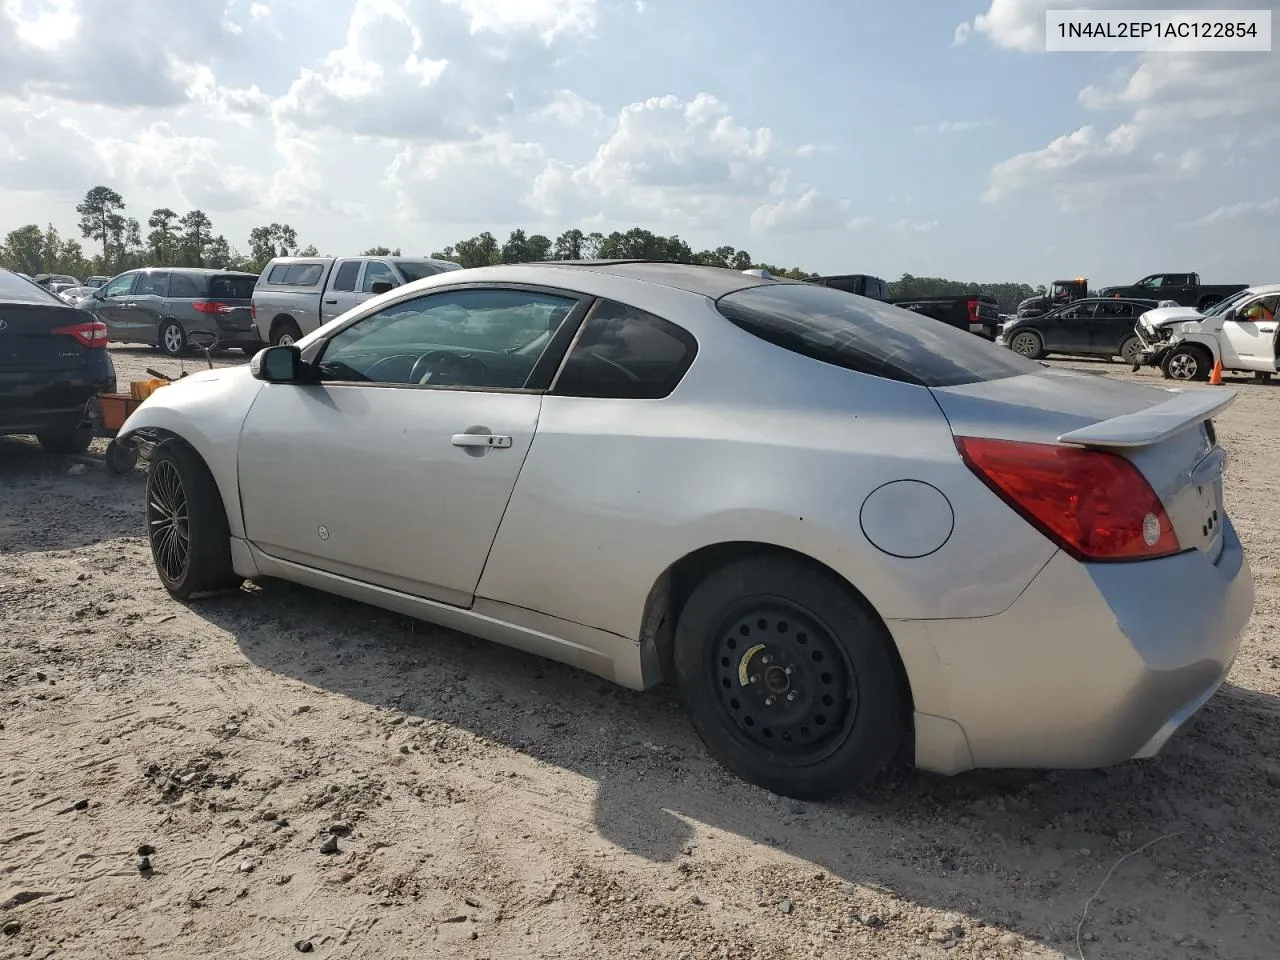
x=188 y=240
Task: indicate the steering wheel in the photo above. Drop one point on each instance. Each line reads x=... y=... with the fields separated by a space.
x=437 y=364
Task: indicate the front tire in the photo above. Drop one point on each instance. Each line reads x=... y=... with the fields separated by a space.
x=1186 y=364
x=1027 y=343
x=821 y=708
x=172 y=339
x=187 y=524
x=66 y=442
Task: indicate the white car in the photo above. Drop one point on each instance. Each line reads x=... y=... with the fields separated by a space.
x=1241 y=331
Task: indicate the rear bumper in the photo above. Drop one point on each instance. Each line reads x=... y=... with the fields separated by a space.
x=1092 y=666
x=38 y=401
x=985 y=330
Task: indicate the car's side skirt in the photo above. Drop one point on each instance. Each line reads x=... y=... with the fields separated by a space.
x=599 y=652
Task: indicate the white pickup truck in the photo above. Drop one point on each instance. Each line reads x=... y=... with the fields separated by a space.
x=295 y=295
x=1240 y=331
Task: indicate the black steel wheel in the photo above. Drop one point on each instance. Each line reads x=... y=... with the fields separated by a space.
x=788 y=677
x=187 y=524
x=783 y=679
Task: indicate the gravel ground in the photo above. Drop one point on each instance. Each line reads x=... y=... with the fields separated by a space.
x=305 y=774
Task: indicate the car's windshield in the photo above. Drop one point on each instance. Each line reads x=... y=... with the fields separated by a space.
x=1222 y=306
x=868 y=336
x=15 y=289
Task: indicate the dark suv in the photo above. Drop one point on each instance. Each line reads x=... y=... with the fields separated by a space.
x=53 y=362
x=164 y=306
x=1094 y=327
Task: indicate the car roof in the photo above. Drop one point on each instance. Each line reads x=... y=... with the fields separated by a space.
x=1265 y=288
x=195 y=271
x=713 y=282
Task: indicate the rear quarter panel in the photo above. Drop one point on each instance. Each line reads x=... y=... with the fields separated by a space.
x=756 y=444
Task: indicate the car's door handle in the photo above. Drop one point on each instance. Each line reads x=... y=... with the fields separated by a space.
x=1266 y=329
x=331 y=301
x=480 y=440
x=128 y=304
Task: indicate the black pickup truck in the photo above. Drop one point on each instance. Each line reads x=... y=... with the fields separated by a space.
x=1184 y=289
x=977 y=313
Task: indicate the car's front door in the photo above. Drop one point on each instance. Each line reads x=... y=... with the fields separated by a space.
x=395 y=466
x=340 y=296
x=374 y=271
x=1251 y=334
x=113 y=307
x=1069 y=329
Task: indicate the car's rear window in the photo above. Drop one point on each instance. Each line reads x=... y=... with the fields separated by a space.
x=868 y=336
x=232 y=288
x=16 y=289
x=296 y=274
x=419 y=269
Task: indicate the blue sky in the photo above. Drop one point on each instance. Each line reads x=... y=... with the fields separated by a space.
x=926 y=137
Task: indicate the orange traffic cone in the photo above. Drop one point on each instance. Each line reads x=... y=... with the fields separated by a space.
x=1215 y=376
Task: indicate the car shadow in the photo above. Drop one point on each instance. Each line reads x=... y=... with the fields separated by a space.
x=79 y=503
x=1021 y=850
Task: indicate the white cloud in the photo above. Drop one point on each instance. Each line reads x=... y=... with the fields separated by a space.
x=549 y=19
x=1181 y=114
x=1248 y=210
x=158 y=157
x=570 y=109
x=907 y=228
x=475 y=181
x=809 y=211
x=74 y=49
x=943 y=127
x=685 y=161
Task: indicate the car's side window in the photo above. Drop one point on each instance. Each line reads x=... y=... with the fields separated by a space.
x=183 y=287
x=120 y=285
x=1262 y=310
x=345 y=279
x=623 y=352
x=152 y=284
x=1081 y=311
x=479 y=338
x=375 y=270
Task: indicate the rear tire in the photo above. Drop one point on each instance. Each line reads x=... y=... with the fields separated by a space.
x=121 y=459
x=187 y=524
x=285 y=332
x=172 y=339
x=1186 y=364
x=822 y=708
x=66 y=442
x=1027 y=343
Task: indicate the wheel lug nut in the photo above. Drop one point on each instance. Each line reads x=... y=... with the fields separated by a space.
x=790 y=671
x=770 y=701
x=766 y=660
x=755 y=678
x=791 y=695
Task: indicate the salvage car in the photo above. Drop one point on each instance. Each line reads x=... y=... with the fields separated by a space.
x=1240 y=331
x=835 y=526
x=53 y=364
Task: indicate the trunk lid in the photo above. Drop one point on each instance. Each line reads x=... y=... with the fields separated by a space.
x=231 y=297
x=28 y=341
x=1166 y=433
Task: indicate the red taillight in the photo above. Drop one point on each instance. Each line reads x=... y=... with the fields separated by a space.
x=973 y=311
x=1097 y=506
x=253 y=311
x=211 y=306
x=91 y=334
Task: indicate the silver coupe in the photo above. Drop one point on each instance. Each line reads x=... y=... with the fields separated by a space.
x=839 y=528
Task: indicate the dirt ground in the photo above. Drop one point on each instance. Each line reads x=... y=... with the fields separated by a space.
x=486 y=804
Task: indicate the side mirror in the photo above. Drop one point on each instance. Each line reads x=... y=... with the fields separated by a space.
x=281 y=364
x=382 y=286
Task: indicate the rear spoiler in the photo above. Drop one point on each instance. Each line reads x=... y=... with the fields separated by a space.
x=1150 y=426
